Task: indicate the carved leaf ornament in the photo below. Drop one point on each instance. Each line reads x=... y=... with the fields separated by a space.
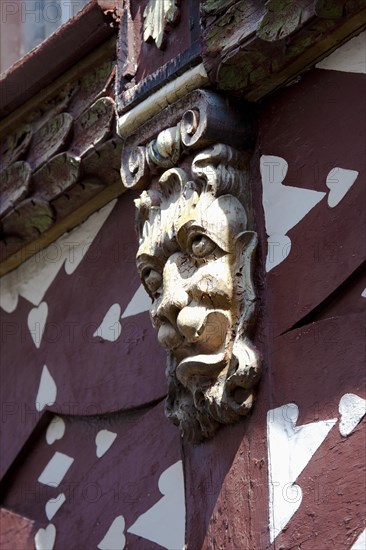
x=158 y=15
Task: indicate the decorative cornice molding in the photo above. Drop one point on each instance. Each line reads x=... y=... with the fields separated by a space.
x=58 y=164
x=197 y=120
x=254 y=48
x=190 y=80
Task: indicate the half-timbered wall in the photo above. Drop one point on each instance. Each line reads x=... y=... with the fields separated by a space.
x=90 y=461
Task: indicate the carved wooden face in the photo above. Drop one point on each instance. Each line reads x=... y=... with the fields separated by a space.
x=194 y=261
x=187 y=262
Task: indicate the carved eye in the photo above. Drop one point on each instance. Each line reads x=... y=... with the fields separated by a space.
x=202 y=246
x=153 y=280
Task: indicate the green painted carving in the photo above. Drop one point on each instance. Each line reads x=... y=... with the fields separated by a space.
x=15 y=145
x=213 y=7
x=247 y=67
x=330 y=8
x=282 y=18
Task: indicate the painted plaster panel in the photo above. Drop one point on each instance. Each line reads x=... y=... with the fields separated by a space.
x=15 y=531
x=308 y=126
x=290 y=448
x=33 y=278
x=131 y=495
x=168 y=511
x=350 y=58
x=85 y=374
x=307 y=370
x=56 y=469
x=284 y=207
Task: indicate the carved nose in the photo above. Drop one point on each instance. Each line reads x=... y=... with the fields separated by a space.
x=175 y=296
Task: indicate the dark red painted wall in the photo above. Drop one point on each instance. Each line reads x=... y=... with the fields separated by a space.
x=310 y=332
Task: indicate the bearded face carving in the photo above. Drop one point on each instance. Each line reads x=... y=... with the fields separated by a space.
x=195 y=260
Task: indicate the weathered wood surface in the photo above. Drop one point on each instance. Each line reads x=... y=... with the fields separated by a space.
x=94 y=374
x=29 y=219
x=42 y=154
x=14 y=185
x=15 y=145
x=125 y=481
x=252 y=48
x=104 y=162
x=143 y=66
x=76 y=196
x=15 y=531
x=93 y=85
x=93 y=126
x=56 y=176
x=49 y=139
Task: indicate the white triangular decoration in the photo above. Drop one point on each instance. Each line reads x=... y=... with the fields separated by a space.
x=33 y=278
x=140 y=302
x=360 y=543
x=164 y=523
x=284 y=207
x=47 y=390
x=110 y=328
x=349 y=58
x=290 y=448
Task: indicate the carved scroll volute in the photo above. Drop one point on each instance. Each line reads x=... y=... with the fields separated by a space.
x=134 y=169
x=213 y=119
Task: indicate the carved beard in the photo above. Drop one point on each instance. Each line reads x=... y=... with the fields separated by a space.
x=200 y=408
x=219 y=393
